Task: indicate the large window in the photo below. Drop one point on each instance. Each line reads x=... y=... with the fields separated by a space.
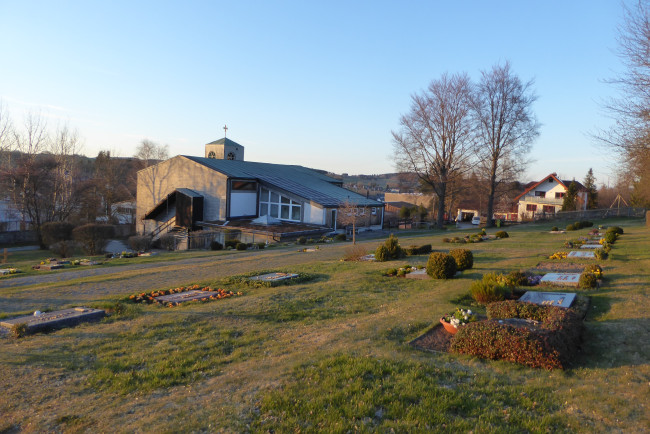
x=531 y=207
x=278 y=206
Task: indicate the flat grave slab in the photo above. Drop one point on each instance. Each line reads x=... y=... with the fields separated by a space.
x=590 y=246
x=585 y=254
x=562 y=299
x=272 y=277
x=563 y=279
x=420 y=273
x=56 y=319
x=185 y=296
x=53 y=266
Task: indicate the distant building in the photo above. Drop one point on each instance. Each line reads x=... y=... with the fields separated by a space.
x=221 y=190
x=545 y=198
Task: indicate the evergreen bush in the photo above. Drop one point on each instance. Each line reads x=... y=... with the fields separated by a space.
x=241 y=246
x=463 y=257
x=492 y=287
x=216 y=245
x=570 y=227
x=554 y=229
x=302 y=240
x=140 y=243
x=441 y=266
x=616 y=229
x=600 y=254
x=610 y=237
x=588 y=281
x=501 y=234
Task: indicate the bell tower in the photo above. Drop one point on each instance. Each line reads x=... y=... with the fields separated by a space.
x=224 y=149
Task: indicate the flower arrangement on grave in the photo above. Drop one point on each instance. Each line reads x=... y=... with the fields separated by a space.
x=150 y=297
x=558 y=255
x=459 y=317
x=9 y=271
x=534 y=280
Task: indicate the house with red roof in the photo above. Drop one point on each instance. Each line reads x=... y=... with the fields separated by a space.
x=544 y=198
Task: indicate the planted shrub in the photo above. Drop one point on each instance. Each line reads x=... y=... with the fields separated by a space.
x=216 y=245
x=492 y=287
x=570 y=227
x=595 y=270
x=340 y=237
x=241 y=246
x=600 y=254
x=548 y=345
x=168 y=242
x=140 y=243
x=53 y=232
x=610 y=237
x=64 y=249
x=421 y=250
x=588 y=281
x=231 y=243
x=554 y=229
x=616 y=229
x=586 y=224
x=441 y=266
x=261 y=245
x=463 y=257
x=93 y=237
x=390 y=250
x=501 y=234
x=516 y=278
x=302 y=240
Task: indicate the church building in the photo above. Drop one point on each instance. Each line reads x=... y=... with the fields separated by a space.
x=222 y=190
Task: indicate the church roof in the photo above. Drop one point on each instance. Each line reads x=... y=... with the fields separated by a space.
x=225 y=141
x=301 y=181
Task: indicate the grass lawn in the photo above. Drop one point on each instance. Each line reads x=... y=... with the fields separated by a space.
x=332 y=353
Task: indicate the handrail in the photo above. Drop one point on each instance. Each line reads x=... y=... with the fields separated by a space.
x=162 y=227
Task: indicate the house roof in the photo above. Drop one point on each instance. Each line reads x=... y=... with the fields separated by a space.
x=299 y=180
x=563 y=183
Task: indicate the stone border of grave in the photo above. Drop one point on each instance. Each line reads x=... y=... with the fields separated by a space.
x=198 y=293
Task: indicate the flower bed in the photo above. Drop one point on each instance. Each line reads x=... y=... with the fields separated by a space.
x=559 y=255
x=150 y=297
x=525 y=333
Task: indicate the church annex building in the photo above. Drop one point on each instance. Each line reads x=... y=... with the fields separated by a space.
x=221 y=190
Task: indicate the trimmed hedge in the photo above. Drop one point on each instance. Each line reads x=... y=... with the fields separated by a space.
x=441 y=266
x=421 y=250
x=550 y=344
x=463 y=257
x=615 y=229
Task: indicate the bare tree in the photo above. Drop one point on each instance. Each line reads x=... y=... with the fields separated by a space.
x=629 y=137
x=435 y=140
x=505 y=127
x=351 y=214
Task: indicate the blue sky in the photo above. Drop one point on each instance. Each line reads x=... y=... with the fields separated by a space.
x=320 y=84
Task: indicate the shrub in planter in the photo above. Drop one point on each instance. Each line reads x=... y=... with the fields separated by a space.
x=616 y=229
x=140 y=243
x=53 y=232
x=554 y=229
x=588 y=281
x=216 y=245
x=492 y=287
x=93 y=237
x=570 y=227
x=241 y=246
x=441 y=266
x=302 y=240
x=610 y=237
x=340 y=237
x=167 y=242
x=501 y=234
x=463 y=257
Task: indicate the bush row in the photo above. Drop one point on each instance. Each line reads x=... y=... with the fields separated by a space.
x=579 y=225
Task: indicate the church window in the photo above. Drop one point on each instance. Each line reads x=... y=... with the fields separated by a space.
x=211 y=154
x=279 y=206
x=231 y=156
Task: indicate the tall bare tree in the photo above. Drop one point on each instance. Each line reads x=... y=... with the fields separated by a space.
x=505 y=127
x=435 y=138
x=629 y=137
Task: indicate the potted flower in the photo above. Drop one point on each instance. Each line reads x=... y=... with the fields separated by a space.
x=452 y=321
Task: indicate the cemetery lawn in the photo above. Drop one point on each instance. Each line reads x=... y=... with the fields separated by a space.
x=330 y=354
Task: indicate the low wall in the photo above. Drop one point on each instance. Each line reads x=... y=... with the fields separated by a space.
x=18 y=237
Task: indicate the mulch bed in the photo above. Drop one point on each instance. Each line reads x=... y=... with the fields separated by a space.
x=558 y=267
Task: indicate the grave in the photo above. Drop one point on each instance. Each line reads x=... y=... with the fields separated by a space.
x=420 y=273
x=51 y=266
x=56 y=319
x=4 y=271
x=185 y=296
x=273 y=277
x=591 y=246
x=561 y=299
x=370 y=257
x=582 y=254
x=563 y=279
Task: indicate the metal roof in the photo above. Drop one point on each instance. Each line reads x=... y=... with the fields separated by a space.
x=225 y=141
x=301 y=181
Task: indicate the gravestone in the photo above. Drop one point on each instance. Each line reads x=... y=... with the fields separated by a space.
x=185 y=296
x=562 y=299
x=272 y=277
x=591 y=246
x=56 y=319
x=582 y=254
x=563 y=279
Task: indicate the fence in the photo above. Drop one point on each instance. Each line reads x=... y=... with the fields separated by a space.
x=601 y=213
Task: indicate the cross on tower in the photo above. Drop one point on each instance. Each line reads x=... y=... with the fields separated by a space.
x=225 y=130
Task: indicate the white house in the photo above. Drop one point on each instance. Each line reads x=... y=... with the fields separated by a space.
x=546 y=197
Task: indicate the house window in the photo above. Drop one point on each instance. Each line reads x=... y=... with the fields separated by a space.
x=374 y=211
x=559 y=195
x=540 y=194
x=549 y=209
x=278 y=206
x=531 y=207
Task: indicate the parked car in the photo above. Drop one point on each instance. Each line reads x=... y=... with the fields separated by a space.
x=476 y=220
